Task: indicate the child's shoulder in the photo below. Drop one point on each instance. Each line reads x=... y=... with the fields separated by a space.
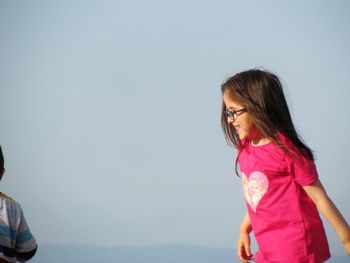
x=9 y=205
x=8 y=200
x=4 y=196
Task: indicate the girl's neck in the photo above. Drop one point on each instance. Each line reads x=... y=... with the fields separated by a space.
x=261 y=140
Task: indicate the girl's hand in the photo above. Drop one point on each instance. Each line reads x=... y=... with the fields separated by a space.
x=347 y=247
x=243 y=247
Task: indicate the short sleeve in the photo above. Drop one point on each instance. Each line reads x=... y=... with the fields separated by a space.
x=302 y=169
x=18 y=243
x=25 y=241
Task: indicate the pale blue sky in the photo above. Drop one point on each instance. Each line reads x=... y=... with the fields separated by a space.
x=110 y=111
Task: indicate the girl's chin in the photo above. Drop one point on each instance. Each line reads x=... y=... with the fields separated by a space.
x=242 y=136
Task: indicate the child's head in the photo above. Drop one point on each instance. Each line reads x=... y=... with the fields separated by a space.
x=261 y=95
x=2 y=163
x=1 y=159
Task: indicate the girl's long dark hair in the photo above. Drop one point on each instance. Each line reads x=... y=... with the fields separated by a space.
x=261 y=94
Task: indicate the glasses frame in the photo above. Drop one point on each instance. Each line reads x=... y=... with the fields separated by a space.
x=233 y=114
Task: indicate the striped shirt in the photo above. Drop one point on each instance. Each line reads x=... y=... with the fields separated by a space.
x=16 y=241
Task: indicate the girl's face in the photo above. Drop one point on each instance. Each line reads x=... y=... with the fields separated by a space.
x=242 y=121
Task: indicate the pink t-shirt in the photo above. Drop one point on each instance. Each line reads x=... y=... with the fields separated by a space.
x=285 y=221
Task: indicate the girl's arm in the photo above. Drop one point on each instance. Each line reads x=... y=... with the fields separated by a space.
x=318 y=194
x=243 y=244
x=245 y=224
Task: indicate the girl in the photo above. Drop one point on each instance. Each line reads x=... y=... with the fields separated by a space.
x=280 y=181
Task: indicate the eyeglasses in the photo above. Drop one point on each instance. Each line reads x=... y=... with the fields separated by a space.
x=233 y=114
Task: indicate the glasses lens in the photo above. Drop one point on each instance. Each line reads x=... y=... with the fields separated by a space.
x=229 y=114
x=233 y=114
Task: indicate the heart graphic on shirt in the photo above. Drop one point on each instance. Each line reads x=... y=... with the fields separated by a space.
x=254 y=188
